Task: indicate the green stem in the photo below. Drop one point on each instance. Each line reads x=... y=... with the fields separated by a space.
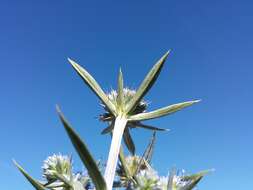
x=119 y=126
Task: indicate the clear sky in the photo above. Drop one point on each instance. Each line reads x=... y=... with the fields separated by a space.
x=211 y=59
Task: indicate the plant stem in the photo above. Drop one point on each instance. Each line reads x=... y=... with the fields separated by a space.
x=119 y=126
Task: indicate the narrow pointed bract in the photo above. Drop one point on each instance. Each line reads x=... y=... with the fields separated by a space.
x=93 y=85
x=161 y=112
x=197 y=175
x=150 y=149
x=120 y=97
x=147 y=155
x=146 y=84
x=84 y=154
x=129 y=141
x=35 y=183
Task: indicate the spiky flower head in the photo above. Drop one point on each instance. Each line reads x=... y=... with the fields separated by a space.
x=57 y=164
x=84 y=179
x=133 y=164
x=179 y=181
x=162 y=183
x=147 y=179
x=128 y=94
x=57 y=170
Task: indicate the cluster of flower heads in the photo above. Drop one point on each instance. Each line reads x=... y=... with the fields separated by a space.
x=143 y=177
x=58 y=173
x=123 y=110
x=149 y=179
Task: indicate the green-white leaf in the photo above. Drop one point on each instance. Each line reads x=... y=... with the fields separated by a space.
x=195 y=179
x=84 y=154
x=146 y=84
x=147 y=155
x=197 y=175
x=192 y=184
x=150 y=149
x=93 y=85
x=34 y=182
x=120 y=97
x=129 y=141
x=161 y=112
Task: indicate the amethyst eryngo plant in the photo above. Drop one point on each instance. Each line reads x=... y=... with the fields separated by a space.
x=124 y=109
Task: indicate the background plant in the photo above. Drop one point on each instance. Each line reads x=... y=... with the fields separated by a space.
x=124 y=109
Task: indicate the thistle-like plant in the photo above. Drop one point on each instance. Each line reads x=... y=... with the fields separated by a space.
x=124 y=109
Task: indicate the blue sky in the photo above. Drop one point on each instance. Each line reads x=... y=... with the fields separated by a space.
x=211 y=59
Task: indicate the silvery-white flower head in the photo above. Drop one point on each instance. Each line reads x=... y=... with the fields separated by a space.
x=133 y=163
x=178 y=183
x=57 y=164
x=162 y=183
x=83 y=179
x=147 y=179
x=180 y=180
x=61 y=165
x=128 y=94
